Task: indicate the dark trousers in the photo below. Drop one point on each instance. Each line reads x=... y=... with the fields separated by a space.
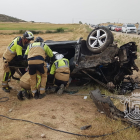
x=59 y=82
x=33 y=68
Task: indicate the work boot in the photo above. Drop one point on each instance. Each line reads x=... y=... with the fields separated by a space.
x=20 y=96
x=61 y=89
x=51 y=90
x=6 y=89
x=36 y=95
x=9 y=87
x=28 y=94
x=42 y=95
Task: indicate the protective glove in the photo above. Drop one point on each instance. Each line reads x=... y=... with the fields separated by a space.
x=25 y=57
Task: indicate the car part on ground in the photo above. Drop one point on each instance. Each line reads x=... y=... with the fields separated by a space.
x=99 y=39
x=105 y=86
x=106 y=106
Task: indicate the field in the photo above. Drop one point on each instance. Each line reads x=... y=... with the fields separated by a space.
x=66 y=112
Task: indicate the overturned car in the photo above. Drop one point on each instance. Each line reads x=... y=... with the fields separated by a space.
x=96 y=58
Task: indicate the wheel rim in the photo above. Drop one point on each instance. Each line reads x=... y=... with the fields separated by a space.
x=97 y=39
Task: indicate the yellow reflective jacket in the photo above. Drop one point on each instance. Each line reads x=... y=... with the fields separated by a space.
x=59 y=64
x=61 y=69
x=14 y=48
x=38 y=48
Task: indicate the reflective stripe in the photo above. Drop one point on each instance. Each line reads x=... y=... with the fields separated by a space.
x=42 y=88
x=34 y=91
x=30 y=46
x=10 y=74
x=66 y=62
x=63 y=67
x=4 y=84
x=11 y=45
x=39 y=80
x=22 y=89
x=6 y=75
x=41 y=45
x=56 y=64
x=11 y=51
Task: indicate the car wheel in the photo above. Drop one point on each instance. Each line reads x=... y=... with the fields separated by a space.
x=99 y=39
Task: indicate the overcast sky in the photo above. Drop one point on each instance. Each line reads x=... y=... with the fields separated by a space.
x=73 y=11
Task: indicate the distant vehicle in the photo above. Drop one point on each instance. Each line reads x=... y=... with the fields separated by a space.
x=118 y=29
x=92 y=25
x=129 y=28
x=113 y=28
x=138 y=30
x=109 y=26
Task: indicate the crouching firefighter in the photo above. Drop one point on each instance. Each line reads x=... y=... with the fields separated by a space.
x=14 y=49
x=37 y=52
x=26 y=88
x=60 y=72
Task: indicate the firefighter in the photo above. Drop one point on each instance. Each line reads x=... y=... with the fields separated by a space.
x=26 y=88
x=14 y=48
x=60 y=70
x=37 y=52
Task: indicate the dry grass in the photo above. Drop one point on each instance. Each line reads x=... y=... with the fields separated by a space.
x=66 y=112
x=35 y=26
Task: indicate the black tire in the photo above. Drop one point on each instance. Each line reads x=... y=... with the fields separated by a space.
x=100 y=43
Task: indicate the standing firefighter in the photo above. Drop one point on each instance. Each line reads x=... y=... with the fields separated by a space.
x=37 y=52
x=15 y=48
x=60 y=70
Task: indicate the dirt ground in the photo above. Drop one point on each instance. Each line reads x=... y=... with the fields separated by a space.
x=66 y=112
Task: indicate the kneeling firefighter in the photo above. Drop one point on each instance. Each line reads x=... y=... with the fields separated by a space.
x=37 y=52
x=26 y=88
x=60 y=70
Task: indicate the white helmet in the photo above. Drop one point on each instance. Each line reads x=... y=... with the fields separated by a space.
x=28 y=35
x=57 y=55
x=55 y=52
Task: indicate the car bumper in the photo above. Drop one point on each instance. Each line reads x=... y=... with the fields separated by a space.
x=129 y=31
